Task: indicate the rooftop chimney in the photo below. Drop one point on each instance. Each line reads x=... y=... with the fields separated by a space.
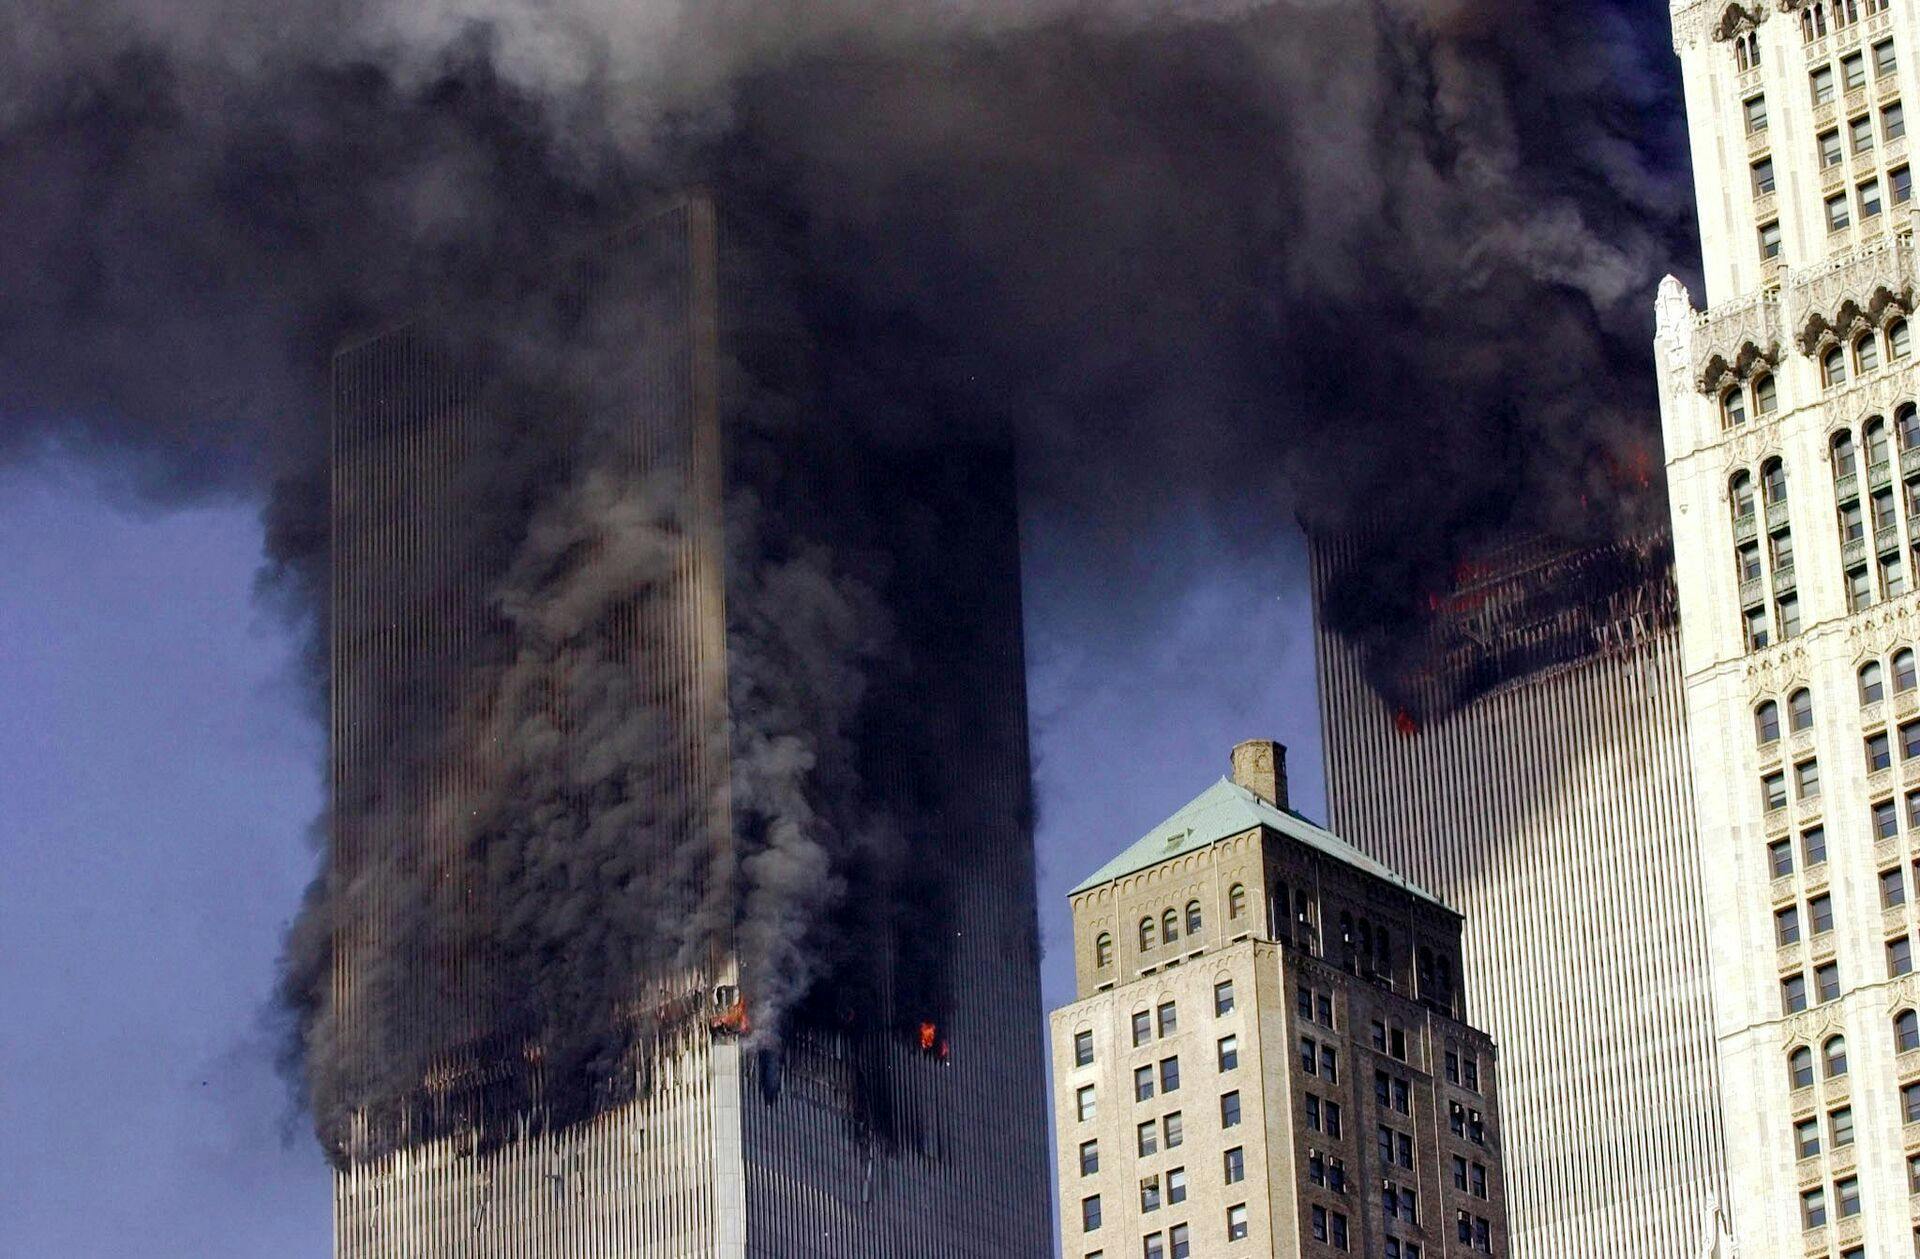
x=1260 y=765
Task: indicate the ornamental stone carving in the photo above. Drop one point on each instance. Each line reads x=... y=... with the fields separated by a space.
x=1731 y=340
x=1879 y=630
x=1863 y=287
x=1775 y=671
x=1738 y=19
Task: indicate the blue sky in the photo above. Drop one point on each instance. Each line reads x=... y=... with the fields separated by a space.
x=158 y=774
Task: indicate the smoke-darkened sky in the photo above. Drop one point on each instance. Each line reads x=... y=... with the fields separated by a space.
x=1382 y=263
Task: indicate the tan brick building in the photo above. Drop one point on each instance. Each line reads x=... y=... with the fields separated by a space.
x=1269 y=1053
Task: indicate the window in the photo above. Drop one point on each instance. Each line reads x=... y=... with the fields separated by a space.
x=1395 y=1148
x=1910 y=1102
x=1899 y=338
x=1740 y=495
x=1909 y=740
x=1872 y=683
x=1800 y=710
x=1773 y=482
x=1780 y=858
x=1229 y=1052
x=1806 y=1138
x=1147 y=939
x=1833 y=364
x=1833 y=1057
x=1083 y=1049
x=1309 y=1055
x=1793 y=993
x=1866 y=352
x=1820 y=910
x=1757 y=636
x=1089 y=1157
x=1853 y=525
x=1884 y=61
x=1838 y=220
x=1806 y=779
x=1330 y=1064
x=1813 y=1208
x=1903 y=671
x=1150 y=1194
x=1900 y=180
x=1821 y=81
x=1230 y=1110
x=1762 y=177
x=1899 y=957
x=1169 y=927
x=1235 y=1166
x=1769 y=249
x=1879 y=752
x=1103 y=951
x=1747 y=557
x=1786 y=925
x=1733 y=407
x=1860 y=133
x=1170 y=1075
x=1813 y=844
x=1193 y=918
x=1332 y=1113
x=1337 y=1230
x=1831 y=150
x=1313 y=1113
x=1172 y=1130
x=1846 y=1195
x=1090 y=1213
x=1148 y=1138
x=1181 y=1242
x=1869 y=199
x=1913 y=810
x=1142 y=1028
x=1755 y=108
x=1169 y=1018
x=1800 y=1068
x=1237 y=901
x=1826 y=983
x=1893 y=122
x=1084 y=1102
x=1773 y=791
x=1223 y=998
x=1154 y=1246
x=1766 y=723
x=1142 y=1083
x=1237 y=1221
x=1859 y=590
x=1886 y=822
x=1893 y=888
x=1906 y=1031
x=1317 y=1218
x=1853 y=71
x=1840 y=1122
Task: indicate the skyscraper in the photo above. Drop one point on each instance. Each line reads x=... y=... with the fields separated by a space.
x=1520 y=748
x=1793 y=460
x=1269 y=1054
x=586 y=792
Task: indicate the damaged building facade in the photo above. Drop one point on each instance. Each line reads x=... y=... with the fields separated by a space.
x=1270 y=1052
x=1793 y=461
x=638 y=1103
x=1521 y=750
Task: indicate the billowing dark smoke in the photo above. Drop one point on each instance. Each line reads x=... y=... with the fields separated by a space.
x=1384 y=265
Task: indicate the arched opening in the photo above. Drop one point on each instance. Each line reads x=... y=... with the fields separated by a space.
x=1866 y=352
x=1169 y=927
x=1833 y=366
x=1800 y=1068
x=1766 y=723
x=1800 y=710
x=1903 y=674
x=1103 y=951
x=1146 y=933
x=1906 y=1032
x=1833 y=1054
x=1193 y=918
x=1873 y=686
x=1740 y=495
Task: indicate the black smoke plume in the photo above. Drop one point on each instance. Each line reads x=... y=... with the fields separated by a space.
x=1383 y=265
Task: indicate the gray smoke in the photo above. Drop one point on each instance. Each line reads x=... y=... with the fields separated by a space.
x=1382 y=265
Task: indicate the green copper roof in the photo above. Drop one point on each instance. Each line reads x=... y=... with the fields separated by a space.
x=1225 y=809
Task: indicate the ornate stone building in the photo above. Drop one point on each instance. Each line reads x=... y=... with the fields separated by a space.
x=1269 y=1055
x=1793 y=459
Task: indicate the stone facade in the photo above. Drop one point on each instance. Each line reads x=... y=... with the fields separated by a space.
x=1258 y=1079
x=1794 y=477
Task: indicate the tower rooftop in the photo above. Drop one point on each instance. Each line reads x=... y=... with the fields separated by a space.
x=1226 y=809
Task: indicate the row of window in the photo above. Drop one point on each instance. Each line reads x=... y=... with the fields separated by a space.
x=1833 y=1053
x=1813 y=18
x=1822 y=80
x=1867 y=200
x=1846 y=1199
x=1860 y=140
x=1177 y=1241
x=1870 y=348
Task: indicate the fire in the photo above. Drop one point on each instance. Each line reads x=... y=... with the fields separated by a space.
x=929 y=1036
x=733 y=1020
x=1404 y=722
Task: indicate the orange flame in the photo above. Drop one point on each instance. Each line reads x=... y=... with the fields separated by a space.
x=928 y=1035
x=733 y=1020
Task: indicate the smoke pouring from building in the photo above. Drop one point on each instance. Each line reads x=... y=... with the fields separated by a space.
x=1384 y=265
